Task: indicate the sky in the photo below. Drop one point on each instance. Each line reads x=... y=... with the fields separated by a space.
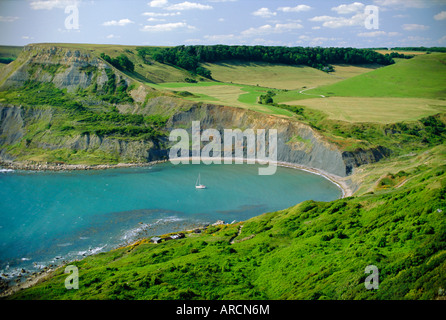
x=332 y=23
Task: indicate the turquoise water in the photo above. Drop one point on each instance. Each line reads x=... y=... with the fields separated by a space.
x=48 y=217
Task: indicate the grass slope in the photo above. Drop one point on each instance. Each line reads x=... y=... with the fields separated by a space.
x=150 y=72
x=315 y=250
x=241 y=96
x=279 y=76
x=377 y=110
x=423 y=76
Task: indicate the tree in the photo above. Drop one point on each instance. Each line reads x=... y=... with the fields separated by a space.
x=204 y=72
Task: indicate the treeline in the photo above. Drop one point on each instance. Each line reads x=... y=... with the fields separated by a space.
x=189 y=57
x=183 y=59
x=6 y=60
x=428 y=49
x=422 y=49
x=121 y=62
x=401 y=55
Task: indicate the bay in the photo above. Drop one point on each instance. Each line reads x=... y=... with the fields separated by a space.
x=49 y=217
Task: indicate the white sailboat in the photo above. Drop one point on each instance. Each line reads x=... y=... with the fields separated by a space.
x=198 y=184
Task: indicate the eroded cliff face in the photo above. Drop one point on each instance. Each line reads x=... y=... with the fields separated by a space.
x=66 y=68
x=296 y=142
x=15 y=122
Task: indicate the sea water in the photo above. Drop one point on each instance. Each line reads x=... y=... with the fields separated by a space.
x=49 y=217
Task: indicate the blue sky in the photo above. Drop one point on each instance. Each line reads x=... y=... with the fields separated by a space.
x=250 y=22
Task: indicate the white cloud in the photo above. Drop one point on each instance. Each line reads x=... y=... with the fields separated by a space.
x=400 y=16
x=281 y=27
x=415 y=27
x=298 y=8
x=442 y=39
x=321 y=18
x=27 y=37
x=119 y=23
x=167 y=27
x=158 y=3
x=349 y=8
x=260 y=30
x=155 y=19
x=155 y=14
x=317 y=41
x=8 y=19
x=188 y=6
x=264 y=13
x=393 y=34
x=378 y=34
x=219 y=38
x=51 y=4
x=268 y=29
x=440 y=16
x=112 y=36
x=337 y=22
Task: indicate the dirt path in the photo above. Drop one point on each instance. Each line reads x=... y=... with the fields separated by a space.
x=238 y=233
x=309 y=94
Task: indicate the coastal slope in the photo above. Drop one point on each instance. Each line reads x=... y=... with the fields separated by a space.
x=312 y=251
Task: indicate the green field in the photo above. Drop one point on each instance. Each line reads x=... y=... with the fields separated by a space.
x=408 y=90
x=379 y=110
x=280 y=76
x=240 y=84
x=241 y=96
x=423 y=76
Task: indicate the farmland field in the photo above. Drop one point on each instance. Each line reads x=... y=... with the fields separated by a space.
x=355 y=94
x=227 y=94
x=281 y=76
x=381 y=110
x=423 y=76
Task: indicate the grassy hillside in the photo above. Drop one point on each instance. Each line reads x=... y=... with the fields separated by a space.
x=423 y=76
x=280 y=76
x=235 y=95
x=406 y=91
x=9 y=53
x=145 y=71
x=315 y=250
x=377 y=110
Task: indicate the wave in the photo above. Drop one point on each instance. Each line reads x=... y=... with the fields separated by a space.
x=132 y=234
x=64 y=244
x=91 y=251
x=6 y=170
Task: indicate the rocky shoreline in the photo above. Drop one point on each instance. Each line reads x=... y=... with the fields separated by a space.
x=45 y=166
x=347 y=191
